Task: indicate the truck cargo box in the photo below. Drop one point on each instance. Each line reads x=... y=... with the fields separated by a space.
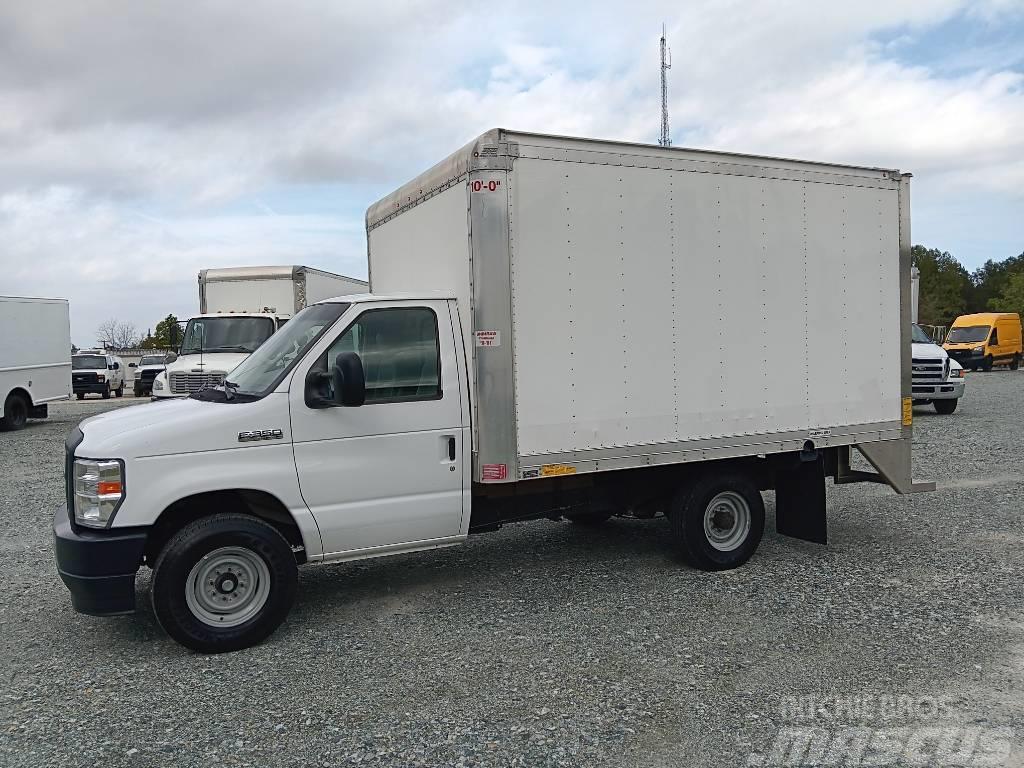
x=282 y=290
x=631 y=305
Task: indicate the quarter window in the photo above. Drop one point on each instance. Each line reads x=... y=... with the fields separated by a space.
x=400 y=354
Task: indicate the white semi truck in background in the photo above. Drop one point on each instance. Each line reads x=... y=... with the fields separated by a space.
x=35 y=358
x=557 y=328
x=239 y=309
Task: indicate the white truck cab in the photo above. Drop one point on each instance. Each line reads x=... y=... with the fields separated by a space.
x=212 y=346
x=937 y=378
x=97 y=371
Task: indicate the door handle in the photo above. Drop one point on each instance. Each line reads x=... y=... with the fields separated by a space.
x=451 y=448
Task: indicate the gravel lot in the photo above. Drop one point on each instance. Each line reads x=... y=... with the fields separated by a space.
x=544 y=644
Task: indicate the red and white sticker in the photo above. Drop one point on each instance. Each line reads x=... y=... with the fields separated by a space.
x=488 y=338
x=485 y=185
x=494 y=472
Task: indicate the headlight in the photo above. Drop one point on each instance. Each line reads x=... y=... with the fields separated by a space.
x=157 y=384
x=956 y=373
x=99 y=490
x=100 y=377
x=978 y=350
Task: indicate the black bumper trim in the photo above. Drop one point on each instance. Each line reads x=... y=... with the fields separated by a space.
x=98 y=567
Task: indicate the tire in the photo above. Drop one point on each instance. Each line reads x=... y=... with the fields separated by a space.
x=986 y=364
x=137 y=391
x=106 y=393
x=1015 y=363
x=120 y=390
x=16 y=409
x=711 y=544
x=224 y=547
x=80 y=395
x=590 y=519
x=945 y=407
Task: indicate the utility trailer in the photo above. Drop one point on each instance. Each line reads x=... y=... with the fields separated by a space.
x=559 y=328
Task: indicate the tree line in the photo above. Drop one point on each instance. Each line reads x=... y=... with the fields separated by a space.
x=948 y=290
x=115 y=334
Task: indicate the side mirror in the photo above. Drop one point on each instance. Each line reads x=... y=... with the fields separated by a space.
x=349 y=380
x=117 y=366
x=317 y=390
x=170 y=358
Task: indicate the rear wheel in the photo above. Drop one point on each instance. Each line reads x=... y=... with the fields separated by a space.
x=1015 y=363
x=223 y=583
x=137 y=390
x=945 y=407
x=16 y=409
x=718 y=521
x=80 y=395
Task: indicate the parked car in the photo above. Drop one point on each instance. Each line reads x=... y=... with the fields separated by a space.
x=147 y=369
x=97 y=372
x=986 y=339
x=936 y=378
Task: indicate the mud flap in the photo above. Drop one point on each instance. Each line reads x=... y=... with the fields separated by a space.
x=800 y=499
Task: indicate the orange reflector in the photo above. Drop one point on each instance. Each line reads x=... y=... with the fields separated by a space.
x=105 y=487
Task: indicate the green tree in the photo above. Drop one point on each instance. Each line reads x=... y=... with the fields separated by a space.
x=991 y=279
x=945 y=287
x=1011 y=299
x=167 y=330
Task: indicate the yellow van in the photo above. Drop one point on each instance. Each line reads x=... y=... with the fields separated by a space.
x=985 y=339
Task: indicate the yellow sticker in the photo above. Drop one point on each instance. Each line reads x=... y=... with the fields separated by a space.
x=908 y=411
x=551 y=470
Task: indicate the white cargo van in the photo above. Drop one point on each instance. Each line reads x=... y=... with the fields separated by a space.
x=240 y=308
x=98 y=372
x=35 y=358
x=539 y=308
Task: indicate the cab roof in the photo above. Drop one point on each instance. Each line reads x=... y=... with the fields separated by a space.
x=983 y=318
x=362 y=298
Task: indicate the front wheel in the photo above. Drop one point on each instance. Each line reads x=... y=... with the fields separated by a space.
x=718 y=521
x=120 y=390
x=223 y=583
x=80 y=395
x=106 y=393
x=986 y=364
x=945 y=407
x=15 y=412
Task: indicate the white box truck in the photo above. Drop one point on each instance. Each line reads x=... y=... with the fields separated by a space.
x=35 y=358
x=557 y=328
x=240 y=308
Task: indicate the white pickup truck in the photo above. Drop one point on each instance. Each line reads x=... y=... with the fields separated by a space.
x=525 y=353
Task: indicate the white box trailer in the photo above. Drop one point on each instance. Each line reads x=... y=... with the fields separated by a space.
x=35 y=357
x=633 y=306
x=276 y=290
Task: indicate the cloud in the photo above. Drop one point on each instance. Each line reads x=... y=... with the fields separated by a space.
x=133 y=134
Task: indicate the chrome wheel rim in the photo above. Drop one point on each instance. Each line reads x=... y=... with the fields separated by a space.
x=227 y=587
x=727 y=521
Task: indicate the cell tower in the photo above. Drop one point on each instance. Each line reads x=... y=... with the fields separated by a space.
x=666 y=64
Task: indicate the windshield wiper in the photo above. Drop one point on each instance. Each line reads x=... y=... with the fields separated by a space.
x=228 y=348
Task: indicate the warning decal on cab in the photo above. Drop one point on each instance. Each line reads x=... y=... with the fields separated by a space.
x=488 y=338
x=494 y=472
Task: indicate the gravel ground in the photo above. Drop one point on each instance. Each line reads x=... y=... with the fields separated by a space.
x=549 y=645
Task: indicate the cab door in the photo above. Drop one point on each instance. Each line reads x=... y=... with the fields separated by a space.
x=388 y=474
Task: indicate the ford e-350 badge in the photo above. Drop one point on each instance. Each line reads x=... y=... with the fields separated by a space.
x=266 y=434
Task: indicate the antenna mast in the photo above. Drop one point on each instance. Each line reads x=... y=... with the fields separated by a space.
x=666 y=64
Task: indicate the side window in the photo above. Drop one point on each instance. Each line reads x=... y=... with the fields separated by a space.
x=400 y=354
x=994 y=341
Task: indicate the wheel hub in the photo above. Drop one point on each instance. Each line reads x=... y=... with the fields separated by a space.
x=227 y=587
x=727 y=521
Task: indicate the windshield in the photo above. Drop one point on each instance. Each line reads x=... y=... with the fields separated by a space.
x=259 y=372
x=88 y=362
x=918 y=336
x=226 y=334
x=152 y=360
x=967 y=334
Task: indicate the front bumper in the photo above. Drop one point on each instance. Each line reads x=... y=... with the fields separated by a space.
x=941 y=390
x=98 y=566
x=93 y=387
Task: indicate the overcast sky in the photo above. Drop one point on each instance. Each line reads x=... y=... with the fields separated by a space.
x=143 y=141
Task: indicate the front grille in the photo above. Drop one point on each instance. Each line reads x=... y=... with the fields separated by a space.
x=186 y=383
x=83 y=378
x=928 y=370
